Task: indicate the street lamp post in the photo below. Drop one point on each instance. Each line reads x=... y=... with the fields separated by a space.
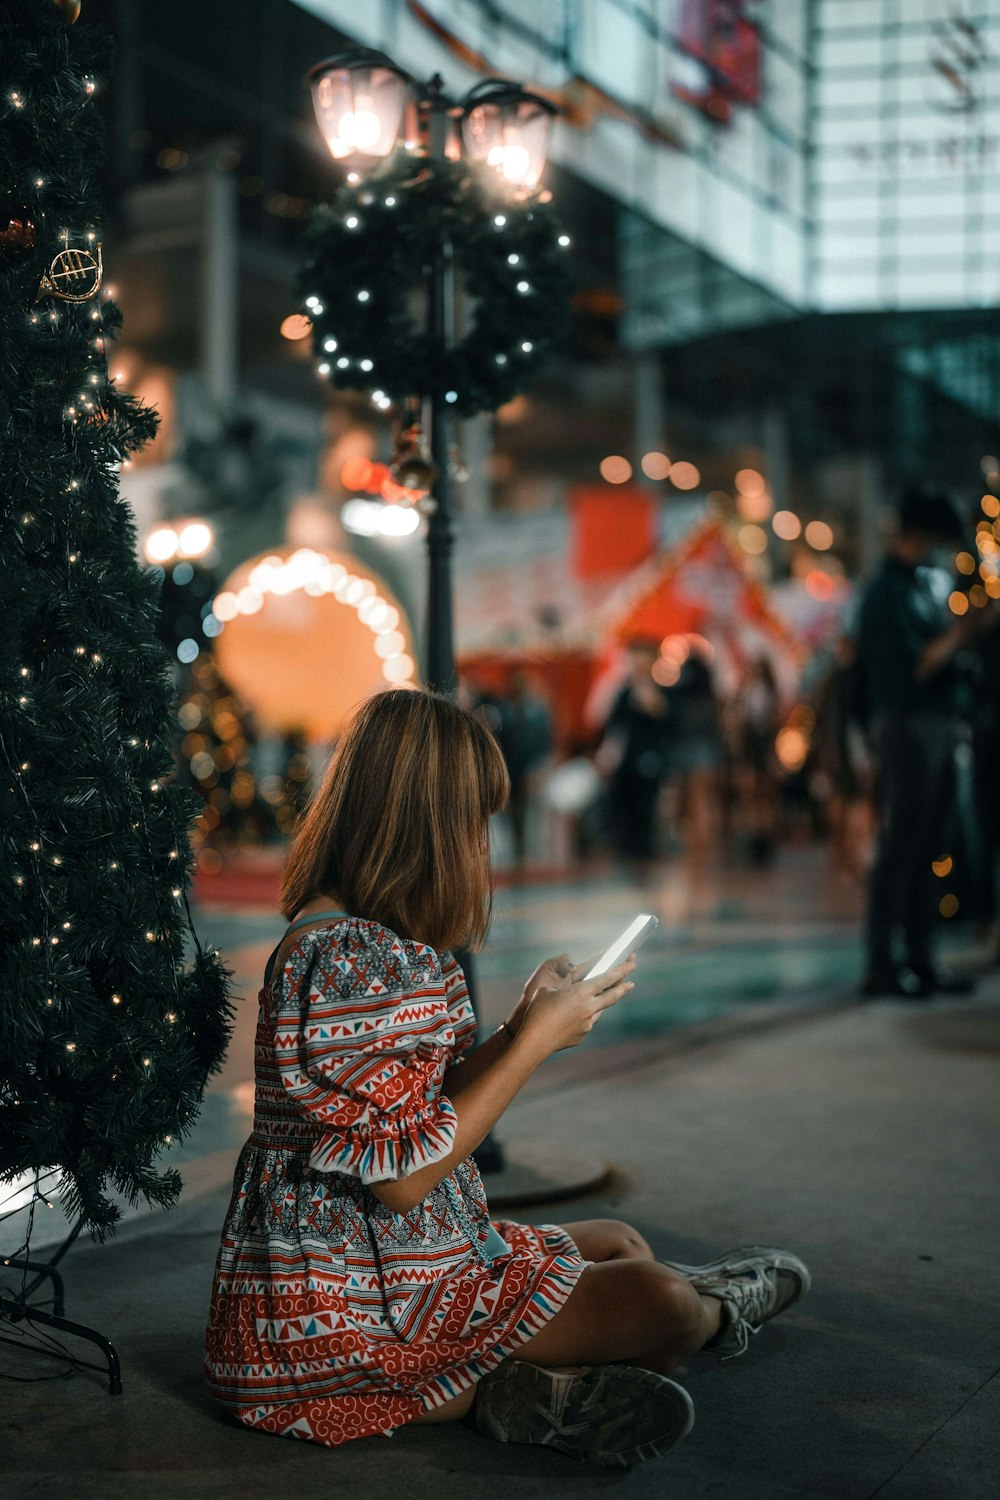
x=362 y=100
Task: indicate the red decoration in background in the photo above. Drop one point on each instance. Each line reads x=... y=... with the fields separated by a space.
x=704 y=583
x=613 y=531
x=719 y=35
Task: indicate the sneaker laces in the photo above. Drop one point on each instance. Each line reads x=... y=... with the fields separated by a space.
x=747 y=1299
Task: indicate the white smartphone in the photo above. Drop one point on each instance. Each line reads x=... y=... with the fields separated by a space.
x=635 y=933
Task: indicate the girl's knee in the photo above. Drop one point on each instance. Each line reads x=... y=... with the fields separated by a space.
x=672 y=1301
x=613 y=1239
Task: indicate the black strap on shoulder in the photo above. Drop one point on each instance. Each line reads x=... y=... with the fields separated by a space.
x=302 y=922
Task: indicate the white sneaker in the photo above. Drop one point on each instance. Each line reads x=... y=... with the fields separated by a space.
x=754 y=1283
x=613 y=1415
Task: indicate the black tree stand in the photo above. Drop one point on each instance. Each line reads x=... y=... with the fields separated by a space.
x=19 y=1309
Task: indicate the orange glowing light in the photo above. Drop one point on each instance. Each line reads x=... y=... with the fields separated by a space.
x=754 y=507
x=958 y=603
x=666 y=671
x=749 y=482
x=655 y=465
x=942 y=867
x=356 y=473
x=397 y=493
x=786 y=525
x=295 y=326
x=685 y=476
x=752 y=539
x=819 y=535
x=792 y=747
x=615 y=469
x=819 y=585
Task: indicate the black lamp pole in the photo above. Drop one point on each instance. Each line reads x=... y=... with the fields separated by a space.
x=440 y=674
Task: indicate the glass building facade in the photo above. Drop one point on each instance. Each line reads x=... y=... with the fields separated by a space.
x=905 y=125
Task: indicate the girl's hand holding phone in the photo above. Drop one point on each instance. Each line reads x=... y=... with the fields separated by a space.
x=560 y=1017
x=549 y=975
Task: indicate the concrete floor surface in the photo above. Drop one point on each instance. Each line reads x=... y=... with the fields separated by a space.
x=864 y=1138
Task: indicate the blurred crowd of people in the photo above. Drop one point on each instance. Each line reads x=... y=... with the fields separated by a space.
x=890 y=753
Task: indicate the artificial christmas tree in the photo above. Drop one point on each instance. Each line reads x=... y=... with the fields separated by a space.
x=106 y=1041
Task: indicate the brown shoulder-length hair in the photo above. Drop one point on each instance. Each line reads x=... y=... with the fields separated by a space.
x=398 y=829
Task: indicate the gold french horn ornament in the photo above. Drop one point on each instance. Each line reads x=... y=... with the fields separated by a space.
x=74 y=275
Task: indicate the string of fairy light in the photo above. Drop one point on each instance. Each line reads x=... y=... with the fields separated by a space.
x=316 y=575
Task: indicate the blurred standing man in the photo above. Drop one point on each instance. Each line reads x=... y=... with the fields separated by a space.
x=525 y=739
x=915 y=704
x=633 y=755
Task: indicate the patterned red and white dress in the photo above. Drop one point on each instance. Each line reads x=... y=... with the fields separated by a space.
x=332 y=1317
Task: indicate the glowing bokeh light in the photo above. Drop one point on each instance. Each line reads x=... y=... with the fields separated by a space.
x=295 y=326
x=684 y=475
x=819 y=535
x=655 y=465
x=615 y=469
x=749 y=482
x=752 y=539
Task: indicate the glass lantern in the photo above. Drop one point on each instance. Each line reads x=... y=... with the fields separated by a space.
x=508 y=128
x=359 y=97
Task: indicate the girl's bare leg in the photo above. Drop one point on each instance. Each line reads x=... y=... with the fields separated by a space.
x=625 y=1308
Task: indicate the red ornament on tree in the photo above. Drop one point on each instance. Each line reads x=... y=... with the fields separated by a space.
x=68 y=9
x=18 y=237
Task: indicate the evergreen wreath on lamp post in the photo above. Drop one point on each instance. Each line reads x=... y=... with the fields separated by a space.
x=106 y=1037
x=366 y=256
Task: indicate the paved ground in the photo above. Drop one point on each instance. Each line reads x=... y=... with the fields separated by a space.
x=741 y=1094
x=863 y=1137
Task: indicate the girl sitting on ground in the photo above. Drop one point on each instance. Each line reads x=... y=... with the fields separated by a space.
x=361 y=1284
